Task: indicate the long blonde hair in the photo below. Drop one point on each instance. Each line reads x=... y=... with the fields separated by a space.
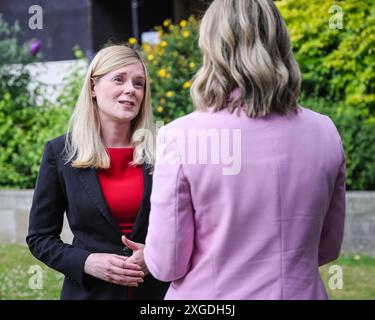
x=83 y=145
x=245 y=44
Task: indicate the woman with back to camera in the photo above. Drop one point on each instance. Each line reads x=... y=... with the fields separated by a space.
x=261 y=230
x=99 y=174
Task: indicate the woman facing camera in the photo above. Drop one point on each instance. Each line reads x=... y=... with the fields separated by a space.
x=99 y=174
x=253 y=210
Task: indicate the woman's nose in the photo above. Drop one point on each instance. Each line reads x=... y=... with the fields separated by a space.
x=129 y=88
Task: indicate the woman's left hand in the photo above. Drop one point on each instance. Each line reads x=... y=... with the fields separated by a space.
x=137 y=256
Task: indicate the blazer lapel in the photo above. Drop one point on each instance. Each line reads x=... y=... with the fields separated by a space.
x=91 y=184
x=141 y=222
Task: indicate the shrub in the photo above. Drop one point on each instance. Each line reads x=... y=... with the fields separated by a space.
x=172 y=63
x=357 y=129
x=14 y=77
x=26 y=122
x=23 y=133
x=337 y=64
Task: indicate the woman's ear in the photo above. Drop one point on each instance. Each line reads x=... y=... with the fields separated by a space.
x=92 y=85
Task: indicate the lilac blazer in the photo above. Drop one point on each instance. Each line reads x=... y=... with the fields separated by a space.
x=246 y=208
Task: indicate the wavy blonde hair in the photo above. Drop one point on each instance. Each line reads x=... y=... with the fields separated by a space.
x=245 y=45
x=83 y=145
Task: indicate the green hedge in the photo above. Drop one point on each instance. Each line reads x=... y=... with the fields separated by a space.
x=172 y=63
x=26 y=122
x=23 y=133
x=337 y=64
x=357 y=133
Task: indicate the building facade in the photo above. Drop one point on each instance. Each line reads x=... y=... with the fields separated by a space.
x=89 y=24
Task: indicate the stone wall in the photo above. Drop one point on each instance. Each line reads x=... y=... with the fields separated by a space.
x=14 y=217
x=359 y=227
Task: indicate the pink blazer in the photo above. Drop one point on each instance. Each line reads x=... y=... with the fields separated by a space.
x=246 y=208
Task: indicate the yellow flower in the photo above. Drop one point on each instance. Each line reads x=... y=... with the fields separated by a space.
x=191 y=65
x=168 y=76
x=160 y=109
x=169 y=94
x=185 y=34
x=183 y=23
x=186 y=85
x=192 y=19
x=146 y=47
x=132 y=40
x=166 y=23
x=162 y=101
x=150 y=57
x=162 y=73
x=160 y=33
x=171 y=27
x=164 y=43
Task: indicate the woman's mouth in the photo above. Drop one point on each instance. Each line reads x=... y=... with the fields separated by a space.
x=127 y=103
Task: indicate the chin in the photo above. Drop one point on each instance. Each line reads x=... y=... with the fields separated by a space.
x=125 y=118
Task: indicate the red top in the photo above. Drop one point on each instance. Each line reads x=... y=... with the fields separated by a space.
x=122 y=186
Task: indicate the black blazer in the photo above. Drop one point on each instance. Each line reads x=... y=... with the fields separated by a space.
x=61 y=188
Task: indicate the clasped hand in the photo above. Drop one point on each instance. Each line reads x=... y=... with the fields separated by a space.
x=121 y=270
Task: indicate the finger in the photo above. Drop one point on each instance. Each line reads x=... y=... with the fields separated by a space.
x=124 y=280
x=126 y=272
x=132 y=284
x=125 y=263
x=133 y=273
x=118 y=261
x=124 y=283
x=132 y=245
x=122 y=258
x=132 y=266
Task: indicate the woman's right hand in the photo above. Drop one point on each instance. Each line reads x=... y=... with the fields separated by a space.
x=113 y=268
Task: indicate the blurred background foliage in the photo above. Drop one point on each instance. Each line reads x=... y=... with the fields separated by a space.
x=337 y=64
x=26 y=121
x=172 y=64
x=338 y=80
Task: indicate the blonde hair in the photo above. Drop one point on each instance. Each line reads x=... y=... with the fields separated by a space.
x=83 y=144
x=245 y=44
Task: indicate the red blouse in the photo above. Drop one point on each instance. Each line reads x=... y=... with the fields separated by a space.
x=122 y=186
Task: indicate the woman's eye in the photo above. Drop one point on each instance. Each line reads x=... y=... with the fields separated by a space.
x=139 y=84
x=118 y=80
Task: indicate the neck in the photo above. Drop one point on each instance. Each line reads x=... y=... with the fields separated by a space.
x=115 y=134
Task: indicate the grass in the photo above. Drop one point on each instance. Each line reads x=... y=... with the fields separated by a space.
x=16 y=271
x=16 y=264
x=358 y=278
